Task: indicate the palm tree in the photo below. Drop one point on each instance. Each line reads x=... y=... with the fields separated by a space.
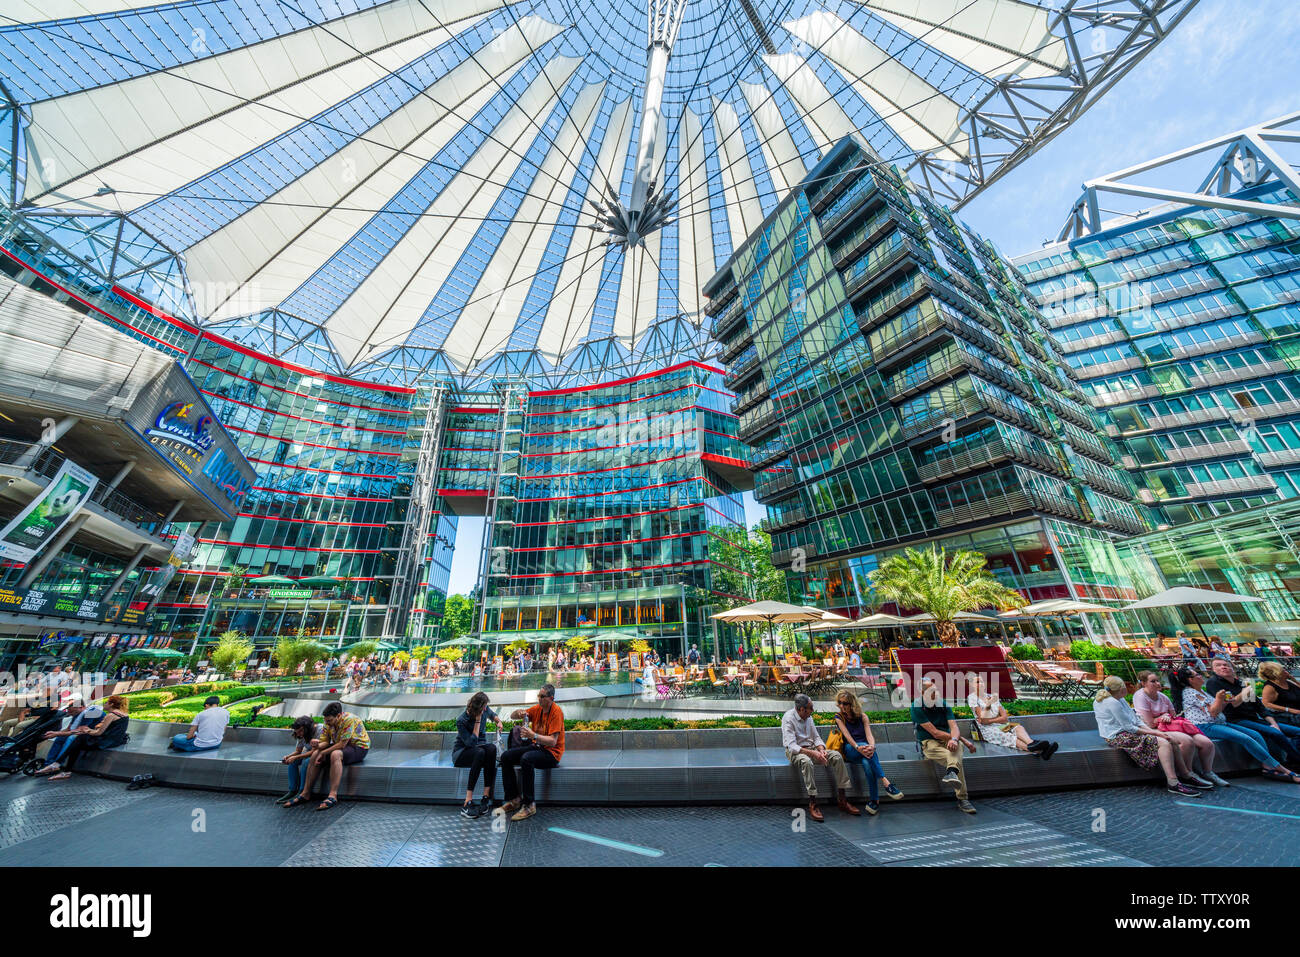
x=942 y=584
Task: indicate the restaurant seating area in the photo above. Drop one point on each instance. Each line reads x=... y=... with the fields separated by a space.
x=740 y=679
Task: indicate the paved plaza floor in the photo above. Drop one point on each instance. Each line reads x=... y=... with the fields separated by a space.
x=93 y=822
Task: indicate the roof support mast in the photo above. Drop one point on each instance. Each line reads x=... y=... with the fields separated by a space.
x=646 y=209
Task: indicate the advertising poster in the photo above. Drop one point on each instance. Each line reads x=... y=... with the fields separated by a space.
x=33 y=527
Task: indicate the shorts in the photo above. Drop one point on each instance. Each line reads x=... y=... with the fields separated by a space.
x=353 y=754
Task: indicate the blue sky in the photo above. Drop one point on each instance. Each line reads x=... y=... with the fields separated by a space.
x=1230 y=64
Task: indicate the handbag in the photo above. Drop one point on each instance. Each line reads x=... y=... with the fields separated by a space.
x=835 y=741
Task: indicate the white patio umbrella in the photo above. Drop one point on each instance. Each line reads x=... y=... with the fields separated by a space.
x=1186 y=597
x=772 y=612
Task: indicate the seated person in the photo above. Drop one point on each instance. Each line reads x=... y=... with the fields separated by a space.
x=806 y=751
x=1189 y=651
x=1262 y=650
x=206 y=730
x=543 y=735
x=78 y=716
x=1207 y=714
x=1155 y=710
x=344 y=741
x=996 y=726
x=1244 y=709
x=109 y=732
x=304 y=733
x=859 y=747
x=1217 y=649
x=941 y=741
x=1280 y=694
x=473 y=750
x=1121 y=728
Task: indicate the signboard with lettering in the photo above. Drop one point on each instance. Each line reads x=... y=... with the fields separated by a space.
x=38 y=523
x=34 y=601
x=279 y=593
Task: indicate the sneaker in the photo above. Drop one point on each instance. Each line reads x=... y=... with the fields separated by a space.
x=893 y=792
x=966 y=806
x=485 y=805
x=1217 y=781
x=524 y=813
x=951 y=778
x=1196 y=781
x=872 y=808
x=1182 y=789
x=470 y=811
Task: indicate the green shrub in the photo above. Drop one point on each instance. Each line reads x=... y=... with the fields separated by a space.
x=870 y=656
x=196 y=703
x=1123 y=662
x=1026 y=652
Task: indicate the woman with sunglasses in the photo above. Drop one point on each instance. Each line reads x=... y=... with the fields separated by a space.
x=859 y=747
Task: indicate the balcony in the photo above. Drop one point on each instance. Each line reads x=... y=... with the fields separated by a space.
x=874 y=268
x=1256 y=370
x=889 y=350
x=954 y=363
x=750 y=397
x=980 y=456
x=1208 y=450
x=730 y=319
x=991 y=507
x=1275 y=459
x=1218 y=345
x=748 y=365
x=785 y=556
x=1270 y=410
x=768 y=454
x=1072 y=411
x=771 y=490
x=1106 y=399
x=735 y=347
x=1092 y=342
x=757 y=423
x=1232 y=486
x=788 y=519
x=114 y=517
x=1092 y=370
x=1056 y=504
x=1190 y=417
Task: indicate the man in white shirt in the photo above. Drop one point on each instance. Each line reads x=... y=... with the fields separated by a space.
x=206 y=730
x=806 y=751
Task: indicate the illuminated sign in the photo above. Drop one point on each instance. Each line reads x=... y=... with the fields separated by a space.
x=183 y=422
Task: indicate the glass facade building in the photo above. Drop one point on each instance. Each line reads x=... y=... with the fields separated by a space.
x=1183 y=327
x=898 y=386
x=603 y=507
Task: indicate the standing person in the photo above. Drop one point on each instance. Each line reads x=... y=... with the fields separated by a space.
x=206 y=730
x=1121 y=728
x=1207 y=714
x=860 y=747
x=693 y=657
x=1189 y=651
x=108 y=732
x=1244 y=710
x=343 y=741
x=1155 y=710
x=473 y=750
x=807 y=751
x=304 y=733
x=941 y=741
x=544 y=737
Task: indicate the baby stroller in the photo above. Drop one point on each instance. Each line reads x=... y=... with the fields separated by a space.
x=19 y=753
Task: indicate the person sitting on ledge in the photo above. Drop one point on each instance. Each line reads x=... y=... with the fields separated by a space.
x=1155 y=710
x=473 y=750
x=941 y=741
x=343 y=741
x=1280 y=694
x=806 y=751
x=108 y=732
x=304 y=733
x=859 y=747
x=1120 y=727
x=206 y=730
x=544 y=737
x=1244 y=710
x=995 y=724
x=78 y=716
x=1207 y=714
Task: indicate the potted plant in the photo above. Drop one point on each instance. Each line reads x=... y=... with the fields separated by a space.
x=942 y=584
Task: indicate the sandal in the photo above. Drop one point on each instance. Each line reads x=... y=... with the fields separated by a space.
x=326 y=804
x=1279 y=775
x=297 y=799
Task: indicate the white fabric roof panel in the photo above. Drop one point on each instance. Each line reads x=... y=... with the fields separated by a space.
x=289 y=173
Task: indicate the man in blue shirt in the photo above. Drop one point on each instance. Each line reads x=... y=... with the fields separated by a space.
x=941 y=740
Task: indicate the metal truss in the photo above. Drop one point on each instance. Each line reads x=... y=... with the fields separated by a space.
x=1239 y=161
x=1105 y=39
